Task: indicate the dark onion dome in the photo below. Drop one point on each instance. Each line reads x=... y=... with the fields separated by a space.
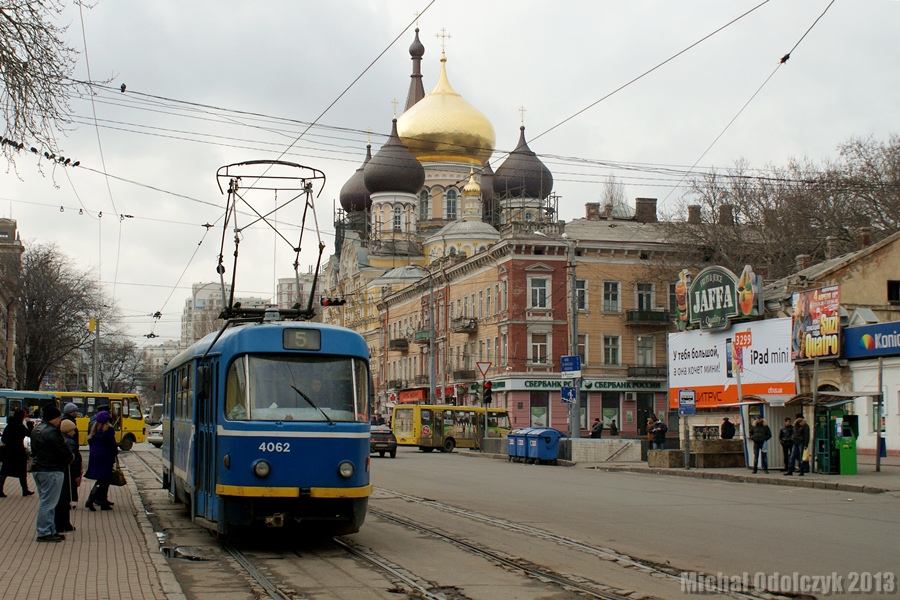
x=354 y=195
x=522 y=174
x=394 y=168
x=416 y=49
x=487 y=184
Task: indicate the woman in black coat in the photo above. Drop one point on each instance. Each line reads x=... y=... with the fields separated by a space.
x=102 y=457
x=71 y=480
x=15 y=460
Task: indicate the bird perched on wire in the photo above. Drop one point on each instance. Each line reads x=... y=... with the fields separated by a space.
x=122 y=87
x=784 y=58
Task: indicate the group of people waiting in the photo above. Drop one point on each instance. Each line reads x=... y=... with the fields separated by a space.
x=56 y=464
x=794 y=438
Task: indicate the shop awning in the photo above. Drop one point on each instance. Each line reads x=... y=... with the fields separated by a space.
x=828 y=398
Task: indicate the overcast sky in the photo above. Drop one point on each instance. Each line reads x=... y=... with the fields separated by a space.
x=214 y=83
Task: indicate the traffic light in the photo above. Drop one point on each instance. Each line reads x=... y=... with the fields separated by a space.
x=333 y=301
x=486 y=397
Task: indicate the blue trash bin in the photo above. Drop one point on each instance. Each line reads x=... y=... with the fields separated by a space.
x=517 y=444
x=543 y=445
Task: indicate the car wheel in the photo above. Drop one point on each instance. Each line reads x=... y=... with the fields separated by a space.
x=393 y=454
x=381 y=454
x=449 y=445
x=126 y=443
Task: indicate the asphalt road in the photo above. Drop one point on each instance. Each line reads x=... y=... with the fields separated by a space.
x=692 y=524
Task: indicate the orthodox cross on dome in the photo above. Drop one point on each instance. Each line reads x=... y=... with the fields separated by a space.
x=394 y=104
x=522 y=115
x=444 y=36
x=416 y=15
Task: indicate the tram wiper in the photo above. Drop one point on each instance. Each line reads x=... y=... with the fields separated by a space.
x=313 y=404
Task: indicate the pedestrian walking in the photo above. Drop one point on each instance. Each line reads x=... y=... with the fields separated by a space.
x=613 y=428
x=102 y=456
x=760 y=434
x=71 y=479
x=15 y=459
x=50 y=457
x=801 y=441
x=786 y=437
x=597 y=429
x=728 y=429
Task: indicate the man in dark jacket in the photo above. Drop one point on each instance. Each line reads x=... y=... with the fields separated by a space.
x=50 y=457
x=760 y=434
x=801 y=441
x=728 y=429
x=597 y=429
x=658 y=430
x=786 y=437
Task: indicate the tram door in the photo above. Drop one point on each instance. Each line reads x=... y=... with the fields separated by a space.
x=205 y=491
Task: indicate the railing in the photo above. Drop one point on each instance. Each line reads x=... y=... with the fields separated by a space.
x=464 y=325
x=647 y=317
x=395 y=384
x=464 y=375
x=423 y=336
x=646 y=371
x=398 y=344
x=422 y=380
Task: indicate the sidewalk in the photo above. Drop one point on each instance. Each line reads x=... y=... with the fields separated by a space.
x=111 y=554
x=867 y=480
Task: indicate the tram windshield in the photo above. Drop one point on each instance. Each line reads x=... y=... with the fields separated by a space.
x=297 y=388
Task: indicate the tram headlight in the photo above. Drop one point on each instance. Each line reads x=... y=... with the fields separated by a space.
x=346 y=469
x=261 y=468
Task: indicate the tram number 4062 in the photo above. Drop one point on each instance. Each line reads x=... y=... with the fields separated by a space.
x=275 y=447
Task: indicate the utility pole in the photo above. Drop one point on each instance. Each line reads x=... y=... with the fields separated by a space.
x=574 y=407
x=95 y=367
x=432 y=366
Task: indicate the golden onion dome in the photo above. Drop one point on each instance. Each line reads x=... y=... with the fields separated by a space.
x=443 y=126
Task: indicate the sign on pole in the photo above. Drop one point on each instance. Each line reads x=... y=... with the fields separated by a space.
x=483 y=367
x=687 y=402
x=570 y=366
x=568 y=395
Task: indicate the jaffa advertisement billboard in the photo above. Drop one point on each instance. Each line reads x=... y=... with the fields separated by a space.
x=708 y=361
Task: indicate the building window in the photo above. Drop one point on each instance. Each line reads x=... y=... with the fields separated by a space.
x=610 y=349
x=481 y=305
x=582 y=348
x=610 y=296
x=539 y=347
x=538 y=293
x=450 y=204
x=893 y=292
x=490 y=309
x=581 y=294
x=503 y=345
x=645 y=350
x=673 y=299
x=398 y=217
x=465 y=311
x=424 y=206
x=645 y=296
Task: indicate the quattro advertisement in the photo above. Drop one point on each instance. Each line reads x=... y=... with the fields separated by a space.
x=709 y=362
x=817 y=324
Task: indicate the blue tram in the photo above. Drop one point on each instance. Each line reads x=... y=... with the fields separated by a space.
x=266 y=424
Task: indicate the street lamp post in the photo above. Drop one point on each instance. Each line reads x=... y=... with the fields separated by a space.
x=575 y=406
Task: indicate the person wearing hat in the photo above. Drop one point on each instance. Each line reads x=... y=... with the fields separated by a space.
x=71 y=479
x=102 y=456
x=728 y=429
x=93 y=418
x=50 y=457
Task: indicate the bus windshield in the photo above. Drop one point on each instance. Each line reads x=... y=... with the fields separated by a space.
x=297 y=388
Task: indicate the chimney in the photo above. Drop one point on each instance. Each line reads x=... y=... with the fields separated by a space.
x=645 y=210
x=863 y=237
x=726 y=215
x=593 y=211
x=607 y=211
x=804 y=261
x=694 y=214
x=832 y=247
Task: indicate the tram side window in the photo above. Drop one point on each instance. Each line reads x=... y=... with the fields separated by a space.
x=236 y=392
x=183 y=393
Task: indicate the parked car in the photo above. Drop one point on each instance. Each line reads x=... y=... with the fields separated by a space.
x=154 y=436
x=383 y=441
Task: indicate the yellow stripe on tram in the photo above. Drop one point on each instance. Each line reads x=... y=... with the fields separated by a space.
x=360 y=492
x=257 y=492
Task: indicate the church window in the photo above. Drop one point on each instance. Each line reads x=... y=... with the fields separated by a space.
x=398 y=217
x=424 y=205
x=452 y=197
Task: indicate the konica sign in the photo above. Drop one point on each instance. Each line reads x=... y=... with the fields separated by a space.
x=868 y=341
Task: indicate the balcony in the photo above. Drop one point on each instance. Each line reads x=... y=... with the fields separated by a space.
x=422 y=380
x=395 y=384
x=423 y=336
x=399 y=344
x=464 y=325
x=645 y=371
x=464 y=375
x=647 y=317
